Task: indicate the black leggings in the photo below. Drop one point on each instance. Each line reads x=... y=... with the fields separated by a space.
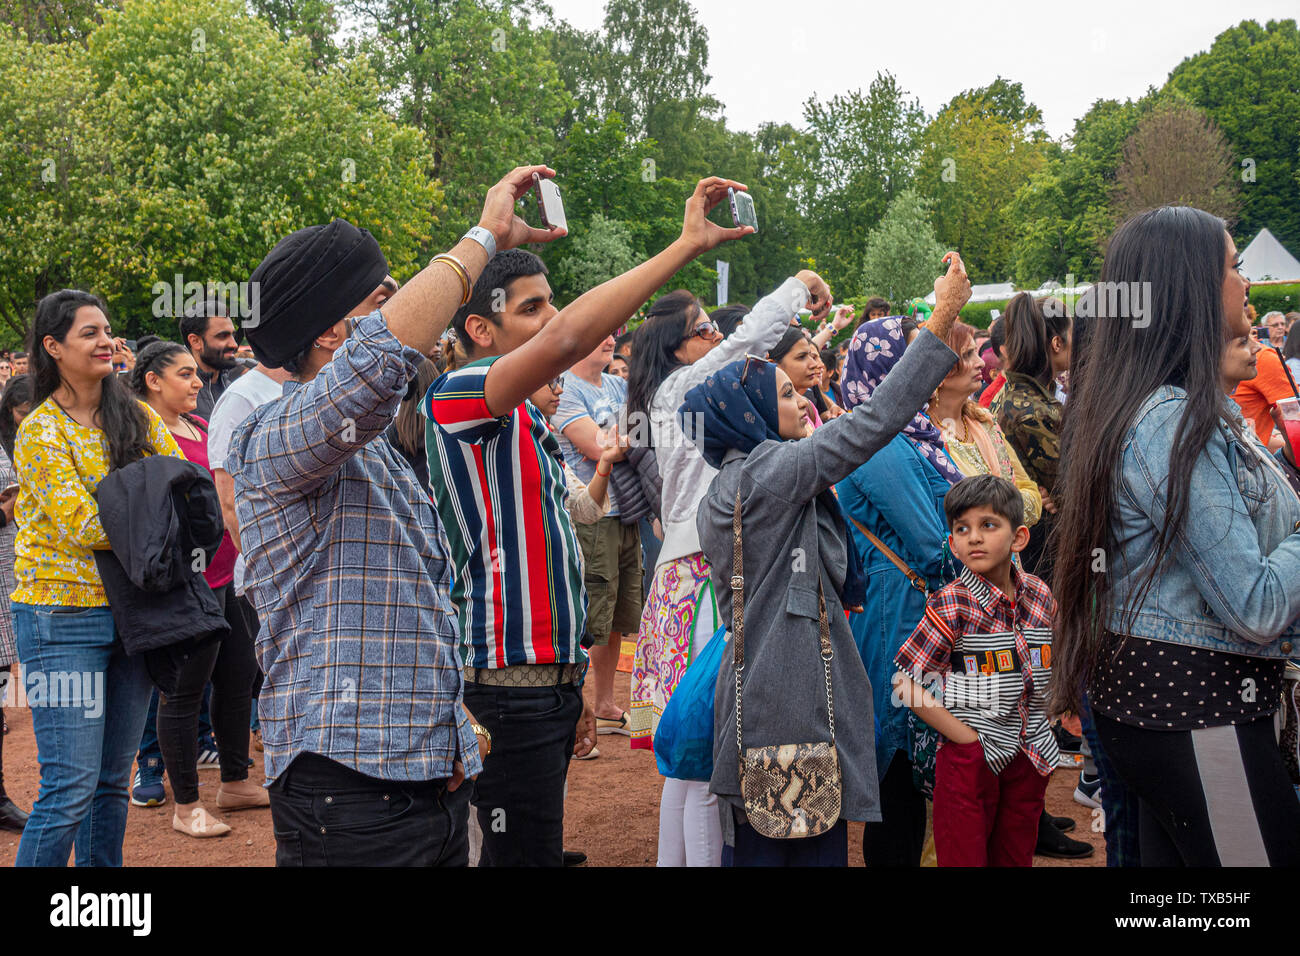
x=181 y=671
x=1215 y=796
x=899 y=838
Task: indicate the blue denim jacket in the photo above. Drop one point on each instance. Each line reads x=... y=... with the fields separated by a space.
x=1233 y=584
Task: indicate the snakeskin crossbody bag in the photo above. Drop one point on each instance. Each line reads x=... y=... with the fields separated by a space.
x=790 y=790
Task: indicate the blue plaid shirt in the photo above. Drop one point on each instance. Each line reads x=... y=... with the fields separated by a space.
x=347 y=567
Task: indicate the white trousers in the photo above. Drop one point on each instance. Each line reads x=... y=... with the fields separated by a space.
x=690 y=831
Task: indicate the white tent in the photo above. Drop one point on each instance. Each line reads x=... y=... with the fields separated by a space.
x=1266 y=260
x=986 y=293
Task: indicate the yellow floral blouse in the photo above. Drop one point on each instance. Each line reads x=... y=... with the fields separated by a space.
x=969 y=461
x=59 y=465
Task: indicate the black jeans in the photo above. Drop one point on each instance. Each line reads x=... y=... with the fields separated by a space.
x=326 y=814
x=519 y=796
x=899 y=838
x=180 y=671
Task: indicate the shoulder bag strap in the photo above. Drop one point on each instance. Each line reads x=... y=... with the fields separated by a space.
x=827 y=654
x=738 y=615
x=918 y=582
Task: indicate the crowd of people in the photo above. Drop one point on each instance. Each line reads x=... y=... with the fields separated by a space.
x=395 y=539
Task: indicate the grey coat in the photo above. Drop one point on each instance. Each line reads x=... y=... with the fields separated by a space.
x=793 y=533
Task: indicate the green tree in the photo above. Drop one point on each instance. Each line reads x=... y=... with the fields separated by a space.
x=1246 y=82
x=859 y=153
x=477 y=79
x=42 y=194
x=194 y=164
x=1063 y=213
x=979 y=149
x=654 y=59
x=55 y=21
x=1177 y=155
x=316 y=20
x=902 y=255
x=600 y=252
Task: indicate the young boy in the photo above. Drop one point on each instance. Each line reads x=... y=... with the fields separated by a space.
x=988 y=636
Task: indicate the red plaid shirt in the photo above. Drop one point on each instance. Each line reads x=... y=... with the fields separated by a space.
x=994 y=660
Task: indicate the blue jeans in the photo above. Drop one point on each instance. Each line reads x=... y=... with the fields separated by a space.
x=84 y=742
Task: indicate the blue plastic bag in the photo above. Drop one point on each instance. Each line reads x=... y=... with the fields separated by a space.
x=684 y=738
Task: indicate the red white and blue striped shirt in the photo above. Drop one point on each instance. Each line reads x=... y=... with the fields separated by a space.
x=499 y=486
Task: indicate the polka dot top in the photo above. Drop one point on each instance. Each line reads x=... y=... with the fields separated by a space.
x=1162 y=686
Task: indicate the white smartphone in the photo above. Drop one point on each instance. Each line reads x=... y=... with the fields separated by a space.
x=742 y=208
x=549 y=203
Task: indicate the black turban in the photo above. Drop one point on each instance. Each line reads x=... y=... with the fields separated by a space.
x=311 y=280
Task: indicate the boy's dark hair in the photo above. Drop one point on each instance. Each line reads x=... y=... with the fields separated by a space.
x=875 y=304
x=501 y=270
x=622 y=340
x=144 y=341
x=992 y=491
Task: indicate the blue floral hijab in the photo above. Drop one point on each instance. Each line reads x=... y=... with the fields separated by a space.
x=876 y=348
x=735 y=407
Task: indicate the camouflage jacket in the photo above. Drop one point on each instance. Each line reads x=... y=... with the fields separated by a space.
x=1030 y=418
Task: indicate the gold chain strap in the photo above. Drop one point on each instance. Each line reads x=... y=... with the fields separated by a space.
x=738 y=629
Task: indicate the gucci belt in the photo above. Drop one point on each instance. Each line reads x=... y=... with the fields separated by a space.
x=525 y=675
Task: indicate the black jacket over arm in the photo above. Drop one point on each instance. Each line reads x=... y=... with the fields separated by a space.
x=161 y=514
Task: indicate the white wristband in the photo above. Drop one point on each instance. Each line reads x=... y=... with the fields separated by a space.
x=484 y=238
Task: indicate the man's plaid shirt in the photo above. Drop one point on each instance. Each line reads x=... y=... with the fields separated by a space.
x=347 y=566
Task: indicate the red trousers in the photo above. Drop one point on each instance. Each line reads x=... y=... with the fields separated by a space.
x=982 y=818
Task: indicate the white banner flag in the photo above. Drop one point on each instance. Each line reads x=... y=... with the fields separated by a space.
x=724 y=270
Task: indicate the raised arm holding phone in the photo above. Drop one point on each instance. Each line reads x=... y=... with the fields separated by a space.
x=495 y=473
x=346 y=560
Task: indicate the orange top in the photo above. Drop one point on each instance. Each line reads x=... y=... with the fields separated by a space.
x=1259 y=394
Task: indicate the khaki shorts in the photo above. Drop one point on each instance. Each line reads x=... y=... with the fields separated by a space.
x=611 y=554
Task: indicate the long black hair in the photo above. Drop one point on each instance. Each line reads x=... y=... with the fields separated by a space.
x=119 y=415
x=792 y=337
x=668 y=323
x=18 y=391
x=1174 y=257
x=1030 y=327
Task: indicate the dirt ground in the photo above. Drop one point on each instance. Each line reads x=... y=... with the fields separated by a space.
x=612 y=811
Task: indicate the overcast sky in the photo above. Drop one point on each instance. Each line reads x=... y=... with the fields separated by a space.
x=767 y=57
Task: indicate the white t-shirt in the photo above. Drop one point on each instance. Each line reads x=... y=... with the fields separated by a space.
x=250 y=391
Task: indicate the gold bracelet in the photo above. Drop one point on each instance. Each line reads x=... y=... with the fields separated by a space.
x=457 y=267
x=481 y=731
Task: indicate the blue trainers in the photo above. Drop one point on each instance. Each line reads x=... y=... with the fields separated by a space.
x=147 y=789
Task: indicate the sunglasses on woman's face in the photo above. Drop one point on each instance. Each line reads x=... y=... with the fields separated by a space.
x=704 y=330
x=556 y=384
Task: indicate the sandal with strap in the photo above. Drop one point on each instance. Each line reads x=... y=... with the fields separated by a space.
x=201 y=825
